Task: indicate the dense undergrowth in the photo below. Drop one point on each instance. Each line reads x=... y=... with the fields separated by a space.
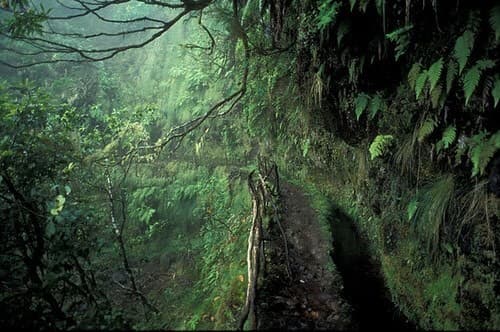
x=388 y=109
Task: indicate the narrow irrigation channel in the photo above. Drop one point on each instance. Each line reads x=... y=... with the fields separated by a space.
x=364 y=286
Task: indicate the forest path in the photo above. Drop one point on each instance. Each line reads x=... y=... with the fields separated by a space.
x=311 y=298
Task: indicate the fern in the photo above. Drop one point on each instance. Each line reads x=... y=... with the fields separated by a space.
x=380 y=145
x=413 y=74
x=495 y=92
x=473 y=75
x=482 y=151
x=434 y=73
x=401 y=38
x=436 y=95
x=328 y=12
x=450 y=74
x=377 y=103
x=353 y=3
x=426 y=129
x=343 y=29
x=420 y=83
x=463 y=47
x=361 y=104
x=474 y=21
x=449 y=136
x=412 y=208
x=495 y=21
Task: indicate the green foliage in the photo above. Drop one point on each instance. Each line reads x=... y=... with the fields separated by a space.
x=449 y=136
x=495 y=92
x=463 y=48
x=379 y=145
x=343 y=30
x=361 y=103
x=431 y=211
x=413 y=74
x=495 y=21
x=328 y=11
x=434 y=73
x=401 y=38
x=412 y=208
x=377 y=103
x=426 y=129
x=25 y=22
x=473 y=75
x=420 y=83
x=443 y=294
x=482 y=150
x=373 y=104
x=451 y=73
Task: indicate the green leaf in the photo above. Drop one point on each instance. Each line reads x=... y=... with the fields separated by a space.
x=471 y=80
x=353 y=3
x=473 y=76
x=426 y=129
x=377 y=103
x=463 y=47
x=434 y=72
x=58 y=205
x=451 y=73
x=379 y=145
x=412 y=208
x=420 y=83
x=436 y=96
x=401 y=38
x=305 y=148
x=495 y=21
x=449 y=136
x=482 y=151
x=413 y=74
x=361 y=103
x=343 y=29
x=50 y=229
x=328 y=12
x=495 y=92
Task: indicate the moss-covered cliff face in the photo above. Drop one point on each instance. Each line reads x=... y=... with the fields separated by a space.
x=397 y=120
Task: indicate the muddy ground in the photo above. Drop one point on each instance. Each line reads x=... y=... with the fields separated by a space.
x=311 y=297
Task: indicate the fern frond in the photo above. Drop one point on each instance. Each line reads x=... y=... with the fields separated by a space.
x=482 y=150
x=474 y=20
x=413 y=74
x=495 y=92
x=450 y=74
x=343 y=29
x=412 y=208
x=463 y=47
x=380 y=145
x=353 y=3
x=401 y=38
x=426 y=129
x=436 y=95
x=495 y=21
x=473 y=76
x=327 y=15
x=449 y=136
x=485 y=64
x=434 y=73
x=361 y=103
x=377 y=103
x=420 y=83
x=471 y=80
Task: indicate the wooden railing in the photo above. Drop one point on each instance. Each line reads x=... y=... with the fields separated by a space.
x=264 y=186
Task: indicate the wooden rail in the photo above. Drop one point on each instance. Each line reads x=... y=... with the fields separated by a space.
x=264 y=188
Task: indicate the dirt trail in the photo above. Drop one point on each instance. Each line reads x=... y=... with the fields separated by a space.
x=311 y=298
